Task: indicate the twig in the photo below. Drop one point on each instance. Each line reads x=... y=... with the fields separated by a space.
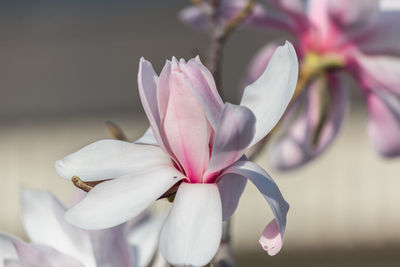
x=219 y=35
x=239 y=18
x=116 y=131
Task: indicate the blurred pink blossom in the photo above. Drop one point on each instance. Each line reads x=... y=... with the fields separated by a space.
x=196 y=144
x=365 y=36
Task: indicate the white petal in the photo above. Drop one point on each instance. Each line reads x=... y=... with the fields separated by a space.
x=269 y=96
x=231 y=187
x=147 y=83
x=272 y=195
x=111 y=248
x=17 y=263
x=147 y=138
x=43 y=256
x=234 y=133
x=43 y=219
x=107 y=159
x=143 y=237
x=7 y=249
x=192 y=232
x=116 y=201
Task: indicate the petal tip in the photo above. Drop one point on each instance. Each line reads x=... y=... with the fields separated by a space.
x=61 y=169
x=272 y=247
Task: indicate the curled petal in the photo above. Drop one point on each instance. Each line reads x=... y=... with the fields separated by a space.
x=43 y=219
x=231 y=187
x=192 y=232
x=107 y=159
x=271 y=238
x=384 y=122
x=234 y=133
x=272 y=241
x=269 y=96
x=113 y=202
x=305 y=138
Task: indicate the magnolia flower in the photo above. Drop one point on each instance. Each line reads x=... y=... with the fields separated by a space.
x=336 y=36
x=196 y=144
x=56 y=243
x=331 y=37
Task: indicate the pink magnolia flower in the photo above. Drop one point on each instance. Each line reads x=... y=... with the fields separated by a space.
x=364 y=39
x=56 y=243
x=195 y=142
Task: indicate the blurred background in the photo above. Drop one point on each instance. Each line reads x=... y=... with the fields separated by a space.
x=66 y=67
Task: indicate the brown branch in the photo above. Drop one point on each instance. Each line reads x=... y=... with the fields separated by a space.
x=219 y=36
x=239 y=18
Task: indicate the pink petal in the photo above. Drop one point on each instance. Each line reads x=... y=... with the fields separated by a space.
x=186 y=127
x=147 y=82
x=382 y=36
x=318 y=15
x=384 y=122
x=353 y=13
x=202 y=86
x=295 y=148
x=377 y=71
x=163 y=90
x=272 y=195
x=232 y=137
x=43 y=256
